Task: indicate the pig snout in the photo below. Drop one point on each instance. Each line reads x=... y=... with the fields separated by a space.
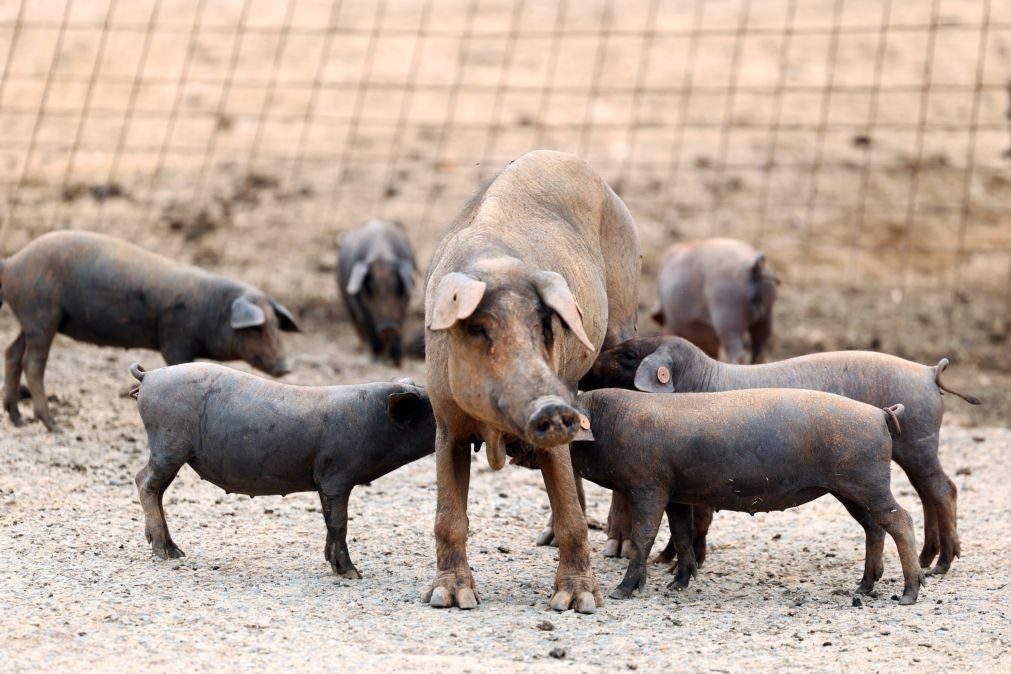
x=388 y=328
x=554 y=422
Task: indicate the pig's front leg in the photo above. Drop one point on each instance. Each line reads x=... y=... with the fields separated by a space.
x=547 y=535
x=454 y=583
x=646 y=512
x=619 y=542
x=575 y=584
x=335 y=513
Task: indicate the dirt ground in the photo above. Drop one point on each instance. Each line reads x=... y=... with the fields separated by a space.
x=81 y=589
x=863 y=221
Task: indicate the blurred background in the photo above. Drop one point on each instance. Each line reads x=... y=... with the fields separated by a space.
x=863 y=145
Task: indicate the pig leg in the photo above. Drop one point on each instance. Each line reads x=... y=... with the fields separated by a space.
x=454 y=583
x=575 y=584
x=152 y=481
x=874 y=564
x=335 y=513
x=647 y=508
x=176 y=353
x=37 y=345
x=702 y=517
x=760 y=332
x=939 y=496
x=680 y=518
x=12 y=377
x=618 y=527
x=730 y=330
x=899 y=525
x=547 y=535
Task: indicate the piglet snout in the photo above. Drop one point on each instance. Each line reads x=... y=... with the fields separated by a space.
x=554 y=422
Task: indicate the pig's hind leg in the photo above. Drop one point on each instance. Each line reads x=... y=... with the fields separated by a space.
x=37 y=343
x=680 y=517
x=12 y=377
x=939 y=496
x=335 y=513
x=152 y=481
x=899 y=525
x=873 y=561
x=645 y=512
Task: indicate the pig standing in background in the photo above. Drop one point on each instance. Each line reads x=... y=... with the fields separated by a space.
x=539 y=270
x=712 y=292
x=253 y=436
x=99 y=289
x=375 y=274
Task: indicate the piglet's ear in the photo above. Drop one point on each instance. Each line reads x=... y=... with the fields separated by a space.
x=456 y=298
x=245 y=314
x=284 y=317
x=359 y=270
x=556 y=294
x=654 y=374
x=403 y=407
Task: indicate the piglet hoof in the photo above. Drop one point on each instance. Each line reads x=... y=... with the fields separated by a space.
x=612 y=547
x=547 y=537
x=169 y=551
x=15 y=417
x=940 y=569
x=907 y=599
x=53 y=426
x=350 y=574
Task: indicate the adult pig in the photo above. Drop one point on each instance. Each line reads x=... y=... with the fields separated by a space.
x=672 y=364
x=106 y=291
x=375 y=274
x=538 y=271
x=253 y=436
x=750 y=451
x=714 y=292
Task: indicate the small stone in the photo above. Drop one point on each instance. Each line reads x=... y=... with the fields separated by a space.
x=827 y=643
x=894 y=597
x=557 y=652
x=545 y=625
x=857 y=602
x=632 y=665
x=504 y=550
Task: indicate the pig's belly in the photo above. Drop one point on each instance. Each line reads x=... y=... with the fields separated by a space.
x=113 y=324
x=762 y=494
x=254 y=474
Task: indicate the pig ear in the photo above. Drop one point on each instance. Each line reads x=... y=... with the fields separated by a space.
x=284 y=317
x=359 y=270
x=405 y=270
x=556 y=294
x=403 y=407
x=245 y=314
x=456 y=298
x=654 y=374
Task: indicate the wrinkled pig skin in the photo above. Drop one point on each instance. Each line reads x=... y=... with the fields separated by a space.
x=99 y=289
x=538 y=271
x=873 y=378
x=754 y=450
x=717 y=292
x=375 y=275
x=250 y=435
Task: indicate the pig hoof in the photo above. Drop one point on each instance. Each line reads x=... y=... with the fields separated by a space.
x=446 y=592
x=170 y=551
x=940 y=569
x=907 y=599
x=620 y=593
x=626 y=549
x=547 y=537
x=611 y=547
x=577 y=592
x=350 y=574
x=53 y=427
x=665 y=556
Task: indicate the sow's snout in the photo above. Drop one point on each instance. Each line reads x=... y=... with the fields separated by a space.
x=554 y=422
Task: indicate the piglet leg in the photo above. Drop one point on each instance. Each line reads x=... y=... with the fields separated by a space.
x=680 y=517
x=12 y=377
x=647 y=506
x=36 y=354
x=152 y=481
x=874 y=565
x=335 y=513
x=899 y=525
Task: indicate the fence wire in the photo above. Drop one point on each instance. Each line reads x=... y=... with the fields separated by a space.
x=863 y=145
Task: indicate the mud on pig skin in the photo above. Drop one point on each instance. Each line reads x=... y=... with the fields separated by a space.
x=99 y=289
x=253 y=436
x=538 y=271
x=671 y=364
x=755 y=450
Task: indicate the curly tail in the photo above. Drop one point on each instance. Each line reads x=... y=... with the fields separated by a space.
x=938 y=369
x=892 y=415
x=138 y=372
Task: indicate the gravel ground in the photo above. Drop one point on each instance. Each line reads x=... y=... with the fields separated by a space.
x=80 y=588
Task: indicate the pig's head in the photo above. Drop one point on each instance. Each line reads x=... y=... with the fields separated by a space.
x=616 y=367
x=674 y=362
x=507 y=327
x=383 y=288
x=254 y=327
x=410 y=410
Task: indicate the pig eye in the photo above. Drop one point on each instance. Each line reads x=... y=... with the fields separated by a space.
x=475 y=329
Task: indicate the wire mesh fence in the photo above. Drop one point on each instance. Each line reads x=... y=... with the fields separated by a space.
x=862 y=144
